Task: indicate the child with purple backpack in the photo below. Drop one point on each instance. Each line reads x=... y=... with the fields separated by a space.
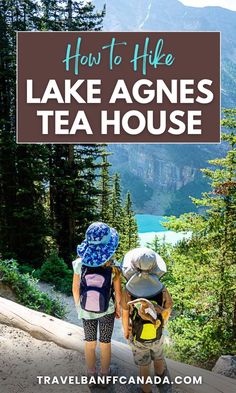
x=97 y=292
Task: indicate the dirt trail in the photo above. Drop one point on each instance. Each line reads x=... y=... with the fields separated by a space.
x=23 y=358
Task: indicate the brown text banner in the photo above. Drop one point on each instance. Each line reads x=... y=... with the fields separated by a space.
x=88 y=87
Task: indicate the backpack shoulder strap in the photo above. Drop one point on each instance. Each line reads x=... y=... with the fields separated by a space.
x=157 y=298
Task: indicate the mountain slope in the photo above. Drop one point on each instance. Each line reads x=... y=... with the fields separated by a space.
x=161 y=171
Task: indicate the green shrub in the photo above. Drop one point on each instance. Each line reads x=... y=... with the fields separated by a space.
x=26 y=291
x=198 y=340
x=55 y=271
x=24 y=269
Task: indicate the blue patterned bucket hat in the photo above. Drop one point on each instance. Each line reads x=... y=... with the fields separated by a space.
x=99 y=245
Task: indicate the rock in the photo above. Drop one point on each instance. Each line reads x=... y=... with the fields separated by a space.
x=7 y=292
x=226 y=365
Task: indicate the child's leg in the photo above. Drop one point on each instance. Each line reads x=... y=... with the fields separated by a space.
x=159 y=366
x=164 y=386
x=90 y=333
x=90 y=355
x=106 y=325
x=142 y=358
x=158 y=356
x=145 y=372
x=105 y=357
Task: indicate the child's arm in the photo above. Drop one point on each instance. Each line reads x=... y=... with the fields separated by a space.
x=168 y=305
x=76 y=289
x=168 y=300
x=117 y=290
x=125 y=315
x=125 y=323
x=165 y=311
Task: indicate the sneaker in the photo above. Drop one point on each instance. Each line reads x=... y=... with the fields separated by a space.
x=111 y=373
x=92 y=379
x=165 y=387
x=142 y=391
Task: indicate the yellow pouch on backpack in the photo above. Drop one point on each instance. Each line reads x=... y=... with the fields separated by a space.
x=148 y=332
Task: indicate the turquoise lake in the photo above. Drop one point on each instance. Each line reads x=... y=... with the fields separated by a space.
x=149 y=223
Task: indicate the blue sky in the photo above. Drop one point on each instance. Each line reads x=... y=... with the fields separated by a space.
x=230 y=4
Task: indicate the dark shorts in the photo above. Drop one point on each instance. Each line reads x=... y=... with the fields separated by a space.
x=105 y=325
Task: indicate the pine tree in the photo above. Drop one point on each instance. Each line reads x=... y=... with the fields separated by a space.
x=30 y=212
x=32 y=186
x=23 y=219
x=122 y=218
x=73 y=168
x=116 y=204
x=79 y=190
x=130 y=228
x=221 y=218
x=155 y=244
x=81 y=16
x=204 y=269
x=104 y=186
x=8 y=186
x=52 y=18
x=91 y=156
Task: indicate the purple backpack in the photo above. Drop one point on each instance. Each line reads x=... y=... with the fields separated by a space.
x=95 y=288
